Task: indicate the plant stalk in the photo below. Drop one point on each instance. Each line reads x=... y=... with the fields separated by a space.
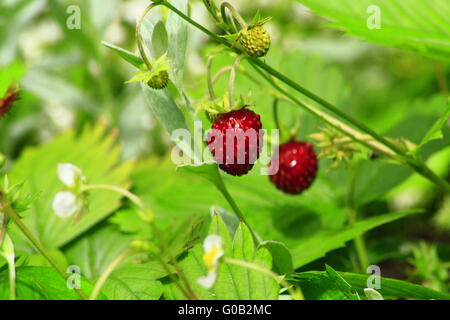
x=232 y=81
x=224 y=191
x=359 y=242
x=235 y=14
x=210 y=83
x=13 y=216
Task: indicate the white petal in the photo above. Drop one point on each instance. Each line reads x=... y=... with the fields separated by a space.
x=208 y=281
x=68 y=173
x=212 y=241
x=65 y=204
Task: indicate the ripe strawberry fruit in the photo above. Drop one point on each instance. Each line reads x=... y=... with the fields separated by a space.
x=240 y=143
x=255 y=40
x=160 y=81
x=297 y=167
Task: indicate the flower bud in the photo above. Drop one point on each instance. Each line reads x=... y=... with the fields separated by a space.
x=69 y=174
x=160 y=81
x=65 y=204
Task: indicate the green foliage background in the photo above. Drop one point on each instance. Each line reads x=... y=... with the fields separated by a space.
x=75 y=107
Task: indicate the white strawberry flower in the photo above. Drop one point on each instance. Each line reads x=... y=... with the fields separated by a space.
x=65 y=204
x=213 y=252
x=69 y=174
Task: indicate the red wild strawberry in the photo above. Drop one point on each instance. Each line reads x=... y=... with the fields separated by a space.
x=240 y=141
x=297 y=167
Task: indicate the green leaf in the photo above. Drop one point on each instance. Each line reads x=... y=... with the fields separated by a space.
x=170 y=116
x=129 y=221
x=388 y=288
x=208 y=171
x=40 y=283
x=10 y=74
x=96 y=250
x=96 y=154
x=341 y=283
x=317 y=246
x=282 y=257
x=321 y=288
x=435 y=131
x=177 y=31
x=159 y=40
x=230 y=219
x=271 y=213
x=328 y=285
x=136 y=282
x=126 y=55
x=233 y=282
x=416 y=25
x=369 y=186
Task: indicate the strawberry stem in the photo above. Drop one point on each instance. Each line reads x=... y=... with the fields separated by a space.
x=392 y=150
x=6 y=208
x=359 y=242
x=139 y=39
x=234 y=13
x=233 y=80
x=220 y=185
x=209 y=80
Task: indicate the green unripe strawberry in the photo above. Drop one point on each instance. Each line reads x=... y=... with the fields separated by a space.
x=255 y=40
x=160 y=81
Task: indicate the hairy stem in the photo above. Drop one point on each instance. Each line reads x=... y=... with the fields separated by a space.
x=209 y=80
x=275 y=113
x=343 y=128
x=232 y=81
x=359 y=243
x=139 y=39
x=235 y=14
x=23 y=228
